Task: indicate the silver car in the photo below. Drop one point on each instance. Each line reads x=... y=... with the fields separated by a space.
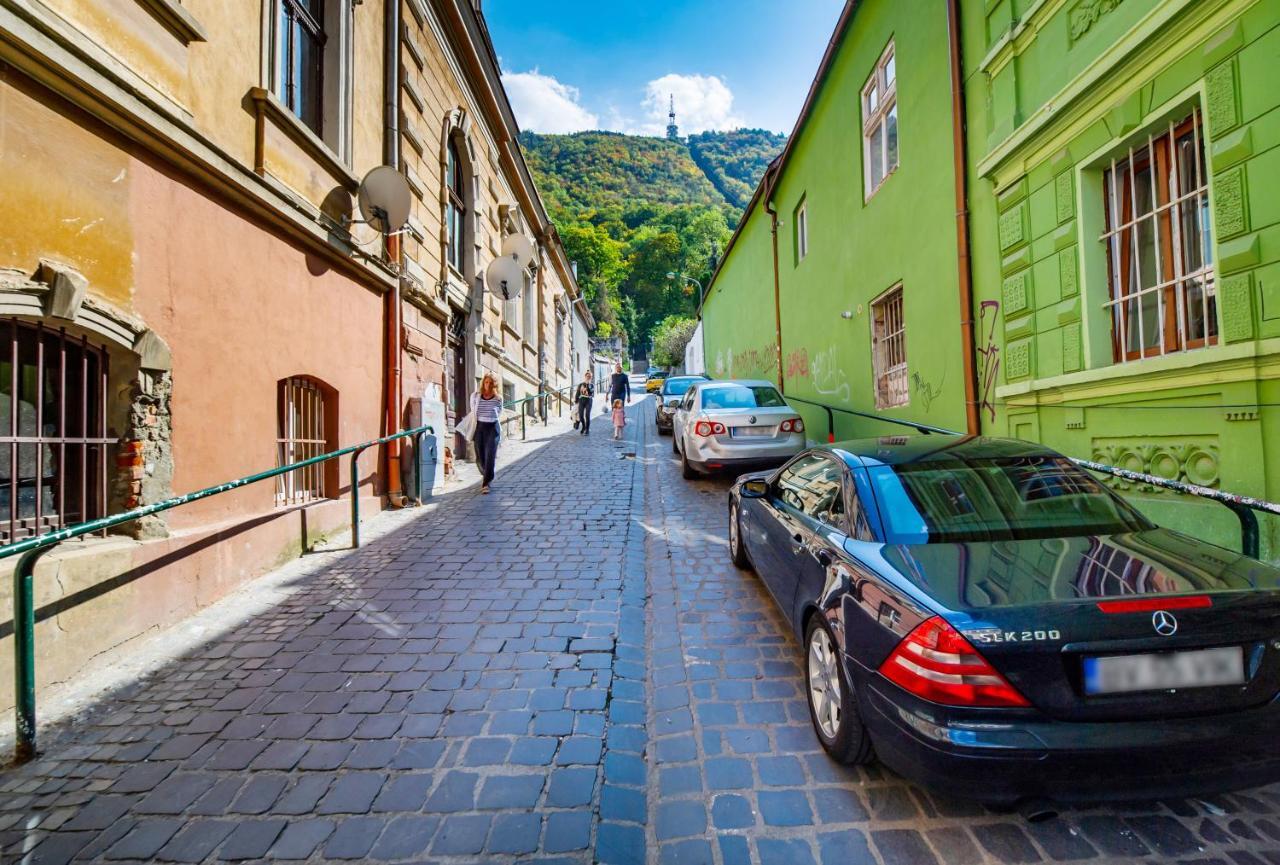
x=736 y=425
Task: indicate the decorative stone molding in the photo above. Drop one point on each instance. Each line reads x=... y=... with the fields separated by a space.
x=1013 y=227
x=1235 y=304
x=1063 y=197
x=1230 y=208
x=1018 y=360
x=176 y=19
x=1071 y=348
x=1017 y=293
x=1068 y=272
x=1193 y=459
x=1220 y=97
x=67 y=289
x=1086 y=13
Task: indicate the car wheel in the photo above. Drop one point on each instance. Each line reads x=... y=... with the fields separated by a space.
x=737 y=551
x=686 y=470
x=831 y=704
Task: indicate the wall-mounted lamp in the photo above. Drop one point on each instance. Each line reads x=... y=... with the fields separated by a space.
x=846 y=314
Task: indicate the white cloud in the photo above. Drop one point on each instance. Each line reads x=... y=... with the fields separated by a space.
x=703 y=102
x=543 y=104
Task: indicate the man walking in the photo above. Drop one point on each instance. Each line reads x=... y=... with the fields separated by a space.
x=619 y=386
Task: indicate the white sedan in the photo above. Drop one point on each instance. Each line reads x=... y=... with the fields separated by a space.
x=738 y=425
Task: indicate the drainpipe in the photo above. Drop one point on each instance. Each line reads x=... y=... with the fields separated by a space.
x=964 y=264
x=777 y=294
x=391 y=156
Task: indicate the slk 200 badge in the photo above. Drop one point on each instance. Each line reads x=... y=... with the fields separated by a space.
x=995 y=635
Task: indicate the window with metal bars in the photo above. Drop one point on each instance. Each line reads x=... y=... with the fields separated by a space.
x=1159 y=244
x=304 y=431
x=53 y=451
x=889 y=349
x=300 y=41
x=455 y=207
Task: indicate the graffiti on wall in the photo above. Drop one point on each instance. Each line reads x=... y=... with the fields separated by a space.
x=797 y=364
x=826 y=377
x=989 y=365
x=926 y=391
x=761 y=362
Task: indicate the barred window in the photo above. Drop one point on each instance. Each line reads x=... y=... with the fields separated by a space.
x=54 y=441
x=305 y=431
x=889 y=349
x=1159 y=245
x=880 y=122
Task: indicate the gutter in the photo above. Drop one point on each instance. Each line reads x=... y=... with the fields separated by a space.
x=394 y=310
x=964 y=262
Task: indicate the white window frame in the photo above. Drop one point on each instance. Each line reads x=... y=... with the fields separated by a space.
x=875 y=117
x=889 y=349
x=802 y=230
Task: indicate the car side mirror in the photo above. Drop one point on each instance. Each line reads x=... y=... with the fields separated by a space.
x=754 y=489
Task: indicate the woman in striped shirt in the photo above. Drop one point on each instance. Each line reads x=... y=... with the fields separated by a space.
x=487 y=407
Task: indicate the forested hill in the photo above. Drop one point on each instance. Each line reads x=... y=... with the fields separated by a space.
x=632 y=209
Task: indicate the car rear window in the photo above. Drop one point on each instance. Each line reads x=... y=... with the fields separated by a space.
x=742 y=396
x=1013 y=498
x=678 y=386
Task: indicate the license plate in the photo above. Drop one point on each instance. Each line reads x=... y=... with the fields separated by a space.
x=1203 y=668
x=748 y=431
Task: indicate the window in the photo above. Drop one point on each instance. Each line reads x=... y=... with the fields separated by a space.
x=559 y=343
x=880 y=122
x=529 y=305
x=813 y=486
x=741 y=396
x=802 y=231
x=303 y=432
x=889 y=349
x=53 y=431
x=300 y=49
x=508 y=394
x=455 y=207
x=1159 y=245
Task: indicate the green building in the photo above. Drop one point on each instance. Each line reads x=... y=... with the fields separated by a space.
x=1122 y=189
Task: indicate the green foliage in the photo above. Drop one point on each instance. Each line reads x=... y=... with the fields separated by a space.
x=670 y=338
x=735 y=161
x=631 y=209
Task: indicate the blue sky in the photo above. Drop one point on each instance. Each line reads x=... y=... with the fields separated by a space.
x=609 y=64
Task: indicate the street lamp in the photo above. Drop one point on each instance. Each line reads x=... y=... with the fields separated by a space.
x=688 y=279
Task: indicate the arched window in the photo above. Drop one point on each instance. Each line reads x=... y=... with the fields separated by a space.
x=456 y=207
x=53 y=430
x=306 y=415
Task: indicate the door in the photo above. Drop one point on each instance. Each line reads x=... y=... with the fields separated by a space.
x=782 y=528
x=458 y=396
x=681 y=418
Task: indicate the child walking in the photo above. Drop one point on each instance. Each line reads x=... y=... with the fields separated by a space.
x=619 y=418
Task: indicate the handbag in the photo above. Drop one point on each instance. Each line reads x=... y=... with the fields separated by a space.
x=467 y=426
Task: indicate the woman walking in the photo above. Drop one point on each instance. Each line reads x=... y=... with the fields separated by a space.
x=583 y=394
x=486 y=405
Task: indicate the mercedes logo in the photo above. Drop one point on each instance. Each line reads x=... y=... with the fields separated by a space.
x=1164 y=622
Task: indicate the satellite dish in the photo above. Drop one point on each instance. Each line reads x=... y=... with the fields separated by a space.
x=519 y=247
x=505 y=277
x=384 y=199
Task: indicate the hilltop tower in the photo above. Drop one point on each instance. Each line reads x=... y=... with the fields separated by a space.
x=673 y=131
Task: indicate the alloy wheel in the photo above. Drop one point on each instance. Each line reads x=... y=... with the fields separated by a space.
x=824 y=683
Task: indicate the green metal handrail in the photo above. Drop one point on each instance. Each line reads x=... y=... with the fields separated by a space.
x=524 y=405
x=32 y=549
x=1242 y=506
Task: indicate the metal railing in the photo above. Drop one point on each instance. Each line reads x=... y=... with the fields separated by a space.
x=1242 y=506
x=32 y=549
x=525 y=402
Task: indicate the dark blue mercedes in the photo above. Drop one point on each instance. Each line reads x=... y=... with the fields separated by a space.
x=990 y=621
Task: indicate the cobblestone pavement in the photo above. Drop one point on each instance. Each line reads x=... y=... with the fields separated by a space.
x=567 y=670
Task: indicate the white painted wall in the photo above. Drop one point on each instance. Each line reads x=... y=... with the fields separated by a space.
x=694 y=359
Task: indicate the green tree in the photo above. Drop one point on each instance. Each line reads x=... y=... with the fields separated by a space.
x=670 y=338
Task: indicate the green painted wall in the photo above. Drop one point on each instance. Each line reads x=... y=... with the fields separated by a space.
x=1054 y=91
x=858 y=249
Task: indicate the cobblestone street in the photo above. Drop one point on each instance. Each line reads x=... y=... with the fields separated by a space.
x=567 y=670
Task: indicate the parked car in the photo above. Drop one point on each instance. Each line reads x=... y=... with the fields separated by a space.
x=990 y=621
x=736 y=425
x=654 y=380
x=673 y=390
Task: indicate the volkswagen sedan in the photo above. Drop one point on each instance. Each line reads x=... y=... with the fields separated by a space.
x=734 y=425
x=990 y=621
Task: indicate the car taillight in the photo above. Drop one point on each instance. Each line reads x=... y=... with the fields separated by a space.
x=794 y=425
x=708 y=428
x=937 y=664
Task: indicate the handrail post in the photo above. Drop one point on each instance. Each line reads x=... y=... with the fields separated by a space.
x=417 y=465
x=831 y=425
x=24 y=654
x=355 y=496
x=1248 y=529
x=524 y=416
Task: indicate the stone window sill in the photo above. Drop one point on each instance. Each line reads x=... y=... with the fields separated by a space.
x=269 y=107
x=180 y=22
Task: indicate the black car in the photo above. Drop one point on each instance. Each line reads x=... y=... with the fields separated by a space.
x=991 y=621
x=673 y=389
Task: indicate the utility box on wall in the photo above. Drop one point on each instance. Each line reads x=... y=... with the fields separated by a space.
x=428 y=411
